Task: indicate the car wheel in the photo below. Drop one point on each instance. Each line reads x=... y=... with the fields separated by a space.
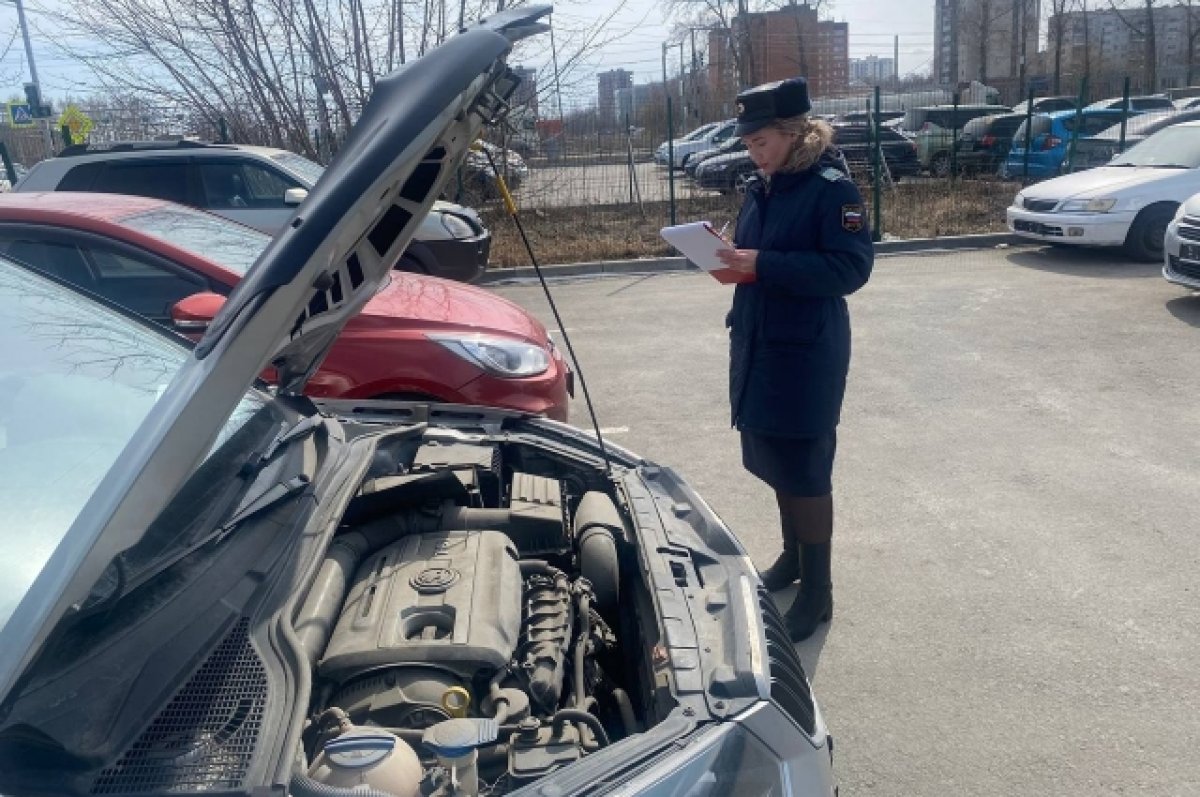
x=1146 y=234
x=740 y=180
x=940 y=165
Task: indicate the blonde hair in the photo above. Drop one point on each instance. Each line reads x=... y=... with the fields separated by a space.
x=813 y=136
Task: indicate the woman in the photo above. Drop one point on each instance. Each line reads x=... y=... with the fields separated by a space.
x=802 y=235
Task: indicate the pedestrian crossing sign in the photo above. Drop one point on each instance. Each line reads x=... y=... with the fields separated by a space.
x=20 y=114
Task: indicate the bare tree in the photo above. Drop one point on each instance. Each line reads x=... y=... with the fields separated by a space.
x=1145 y=29
x=1058 y=21
x=981 y=30
x=1192 y=32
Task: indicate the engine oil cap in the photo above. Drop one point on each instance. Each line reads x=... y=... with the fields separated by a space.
x=433 y=580
x=359 y=750
x=457 y=737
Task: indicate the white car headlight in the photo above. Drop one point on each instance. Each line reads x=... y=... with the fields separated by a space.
x=501 y=357
x=1180 y=212
x=1098 y=205
x=457 y=227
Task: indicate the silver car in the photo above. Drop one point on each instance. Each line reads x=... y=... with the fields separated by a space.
x=210 y=589
x=260 y=187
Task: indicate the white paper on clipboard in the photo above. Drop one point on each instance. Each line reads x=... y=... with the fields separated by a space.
x=699 y=243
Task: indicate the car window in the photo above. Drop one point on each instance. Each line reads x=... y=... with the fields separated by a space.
x=243 y=185
x=60 y=260
x=148 y=289
x=1005 y=125
x=1095 y=124
x=1039 y=125
x=81 y=178
x=160 y=179
x=302 y=167
x=723 y=133
x=1177 y=146
x=1151 y=104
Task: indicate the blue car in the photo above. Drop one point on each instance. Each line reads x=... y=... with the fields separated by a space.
x=1050 y=139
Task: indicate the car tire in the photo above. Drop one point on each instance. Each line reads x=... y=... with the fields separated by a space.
x=939 y=165
x=739 y=182
x=1145 y=238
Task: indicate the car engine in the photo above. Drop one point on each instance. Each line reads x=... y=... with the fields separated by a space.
x=461 y=628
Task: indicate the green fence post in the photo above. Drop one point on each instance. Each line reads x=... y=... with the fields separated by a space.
x=1028 y=139
x=954 y=138
x=671 y=157
x=875 y=122
x=1124 y=114
x=8 y=164
x=1078 y=119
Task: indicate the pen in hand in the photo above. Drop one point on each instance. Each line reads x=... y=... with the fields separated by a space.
x=721 y=234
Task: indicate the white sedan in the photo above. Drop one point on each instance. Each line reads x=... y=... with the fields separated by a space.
x=1127 y=203
x=1181 y=249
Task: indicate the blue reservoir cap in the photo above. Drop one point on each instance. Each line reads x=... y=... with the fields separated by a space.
x=457 y=737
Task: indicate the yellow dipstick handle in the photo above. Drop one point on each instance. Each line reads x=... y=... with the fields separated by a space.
x=456 y=700
x=509 y=204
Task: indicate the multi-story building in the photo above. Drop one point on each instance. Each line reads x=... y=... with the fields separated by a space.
x=609 y=84
x=1107 y=42
x=872 y=70
x=991 y=41
x=774 y=45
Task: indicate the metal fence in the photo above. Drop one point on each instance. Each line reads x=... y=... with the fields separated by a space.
x=928 y=164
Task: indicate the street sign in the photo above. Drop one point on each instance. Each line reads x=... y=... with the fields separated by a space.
x=77 y=122
x=20 y=114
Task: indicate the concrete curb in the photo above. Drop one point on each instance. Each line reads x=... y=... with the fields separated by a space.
x=656 y=265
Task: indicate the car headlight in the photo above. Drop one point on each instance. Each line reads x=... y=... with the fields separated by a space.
x=509 y=359
x=1180 y=212
x=457 y=226
x=1099 y=205
x=717 y=167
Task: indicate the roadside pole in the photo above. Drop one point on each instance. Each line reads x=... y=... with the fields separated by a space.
x=1124 y=114
x=1028 y=139
x=954 y=139
x=671 y=157
x=1078 y=119
x=876 y=125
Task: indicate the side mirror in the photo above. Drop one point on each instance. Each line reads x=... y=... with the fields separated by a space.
x=194 y=313
x=294 y=196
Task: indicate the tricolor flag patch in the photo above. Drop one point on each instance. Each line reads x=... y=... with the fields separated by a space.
x=853 y=218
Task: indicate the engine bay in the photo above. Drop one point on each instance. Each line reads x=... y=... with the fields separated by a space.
x=465 y=628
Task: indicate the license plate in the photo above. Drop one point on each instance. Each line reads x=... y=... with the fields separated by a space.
x=1189 y=252
x=1028 y=226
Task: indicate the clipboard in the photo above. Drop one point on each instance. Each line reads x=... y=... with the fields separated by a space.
x=699 y=243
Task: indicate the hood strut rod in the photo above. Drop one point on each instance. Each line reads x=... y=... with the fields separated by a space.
x=511 y=207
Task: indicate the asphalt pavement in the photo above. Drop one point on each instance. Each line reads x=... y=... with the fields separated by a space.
x=1017 y=490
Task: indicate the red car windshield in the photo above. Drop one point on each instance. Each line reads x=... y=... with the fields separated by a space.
x=224 y=242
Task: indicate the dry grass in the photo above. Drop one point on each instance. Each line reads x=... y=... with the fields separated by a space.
x=920 y=209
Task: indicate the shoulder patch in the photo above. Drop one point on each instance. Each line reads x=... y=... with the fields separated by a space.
x=853 y=218
x=832 y=175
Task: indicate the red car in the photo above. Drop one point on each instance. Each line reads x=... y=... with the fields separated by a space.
x=419 y=338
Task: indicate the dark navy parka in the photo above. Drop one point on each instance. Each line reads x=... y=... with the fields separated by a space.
x=790 y=329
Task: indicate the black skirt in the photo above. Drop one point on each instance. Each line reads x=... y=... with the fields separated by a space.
x=799 y=466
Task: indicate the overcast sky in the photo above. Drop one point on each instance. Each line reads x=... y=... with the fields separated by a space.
x=640 y=26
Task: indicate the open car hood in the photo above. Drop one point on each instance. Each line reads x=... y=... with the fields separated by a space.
x=316 y=275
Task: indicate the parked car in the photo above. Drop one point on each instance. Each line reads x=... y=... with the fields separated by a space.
x=855 y=143
x=1181 y=246
x=984 y=142
x=216 y=589
x=1050 y=140
x=260 y=187
x=418 y=337
x=726 y=173
x=862 y=117
x=1046 y=105
x=714 y=136
x=734 y=144
x=1144 y=103
x=934 y=129
x=1105 y=145
x=1127 y=203
x=476 y=181
x=1187 y=103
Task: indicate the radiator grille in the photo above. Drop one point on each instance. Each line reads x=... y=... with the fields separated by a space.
x=789 y=685
x=205 y=738
x=1190 y=233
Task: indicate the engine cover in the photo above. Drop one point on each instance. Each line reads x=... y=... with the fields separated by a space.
x=451 y=598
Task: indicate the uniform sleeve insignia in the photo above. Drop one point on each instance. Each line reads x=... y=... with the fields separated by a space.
x=853 y=218
x=832 y=175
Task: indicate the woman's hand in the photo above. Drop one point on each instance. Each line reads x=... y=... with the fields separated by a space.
x=744 y=261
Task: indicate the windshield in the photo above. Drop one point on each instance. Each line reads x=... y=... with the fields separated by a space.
x=215 y=238
x=1173 y=147
x=700 y=132
x=76 y=381
x=302 y=167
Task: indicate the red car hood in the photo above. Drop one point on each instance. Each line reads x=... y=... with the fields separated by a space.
x=417 y=301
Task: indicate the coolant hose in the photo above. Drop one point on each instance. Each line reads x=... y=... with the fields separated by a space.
x=302 y=785
x=625 y=709
x=565 y=715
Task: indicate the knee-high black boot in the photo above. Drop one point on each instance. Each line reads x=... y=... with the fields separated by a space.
x=814 y=602
x=786 y=569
